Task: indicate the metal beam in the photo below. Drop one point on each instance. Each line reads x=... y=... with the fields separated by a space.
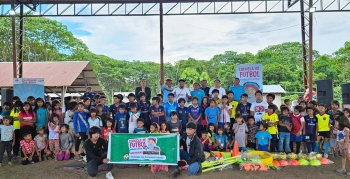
x=311 y=49
x=304 y=45
x=14 y=51
x=21 y=34
x=161 y=46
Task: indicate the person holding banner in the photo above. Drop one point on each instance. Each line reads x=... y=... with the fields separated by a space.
x=192 y=154
x=96 y=153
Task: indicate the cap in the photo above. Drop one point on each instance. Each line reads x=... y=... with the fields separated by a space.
x=182 y=80
x=191 y=125
x=39 y=128
x=169 y=79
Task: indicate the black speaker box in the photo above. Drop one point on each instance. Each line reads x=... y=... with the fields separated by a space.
x=6 y=95
x=325 y=92
x=345 y=93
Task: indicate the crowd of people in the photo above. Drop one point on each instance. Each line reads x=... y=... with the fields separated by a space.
x=207 y=119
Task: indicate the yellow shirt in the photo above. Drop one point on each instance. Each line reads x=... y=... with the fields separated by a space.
x=323 y=122
x=234 y=105
x=217 y=102
x=16 y=123
x=272 y=129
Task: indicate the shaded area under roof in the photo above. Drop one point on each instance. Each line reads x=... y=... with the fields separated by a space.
x=75 y=75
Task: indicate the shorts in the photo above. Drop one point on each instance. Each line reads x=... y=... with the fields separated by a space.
x=263 y=147
x=294 y=138
x=333 y=142
x=310 y=137
x=325 y=134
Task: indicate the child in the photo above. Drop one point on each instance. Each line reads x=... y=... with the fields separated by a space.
x=144 y=108
x=271 y=119
x=54 y=133
x=163 y=128
x=29 y=151
x=346 y=112
x=68 y=119
x=105 y=109
x=234 y=105
x=153 y=129
x=212 y=113
x=263 y=138
x=114 y=108
x=157 y=111
x=334 y=112
x=195 y=114
x=298 y=124
x=204 y=105
x=56 y=108
x=140 y=129
x=27 y=119
x=48 y=106
x=258 y=108
x=243 y=108
x=182 y=111
x=94 y=120
x=170 y=106
x=323 y=128
x=174 y=125
x=287 y=103
x=121 y=124
x=333 y=140
x=221 y=142
x=216 y=98
x=229 y=133
x=131 y=98
x=134 y=116
x=66 y=143
x=42 y=114
x=80 y=125
x=284 y=128
x=225 y=111
x=6 y=109
x=160 y=96
x=7 y=139
x=103 y=116
x=16 y=124
x=303 y=106
x=343 y=140
x=31 y=100
x=206 y=142
x=41 y=143
x=310 y=130
x=108 y=129
x=252 y=130
x=240 y=130
x=211 y=132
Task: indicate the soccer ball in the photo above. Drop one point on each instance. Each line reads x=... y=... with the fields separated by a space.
x=126 y=157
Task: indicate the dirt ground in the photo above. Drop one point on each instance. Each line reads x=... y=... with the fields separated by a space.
x=53 y=169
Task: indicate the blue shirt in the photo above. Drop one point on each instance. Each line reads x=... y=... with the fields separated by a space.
x=114 y=110
x=6 y=132
x=168 y=108
x=41 y=117
x=182 y=112
x=105 y=109
x=237 y=92
x=222 y=138
x=142 y=130
x=212 y=114
x=5 y=113
x=263 y=137
x=199 y=94
x=195 y=112
x=157 y=119
x=122 y=123
x=244 y=110
x=80 y=123
x=310 y=125
x=144 y=108
x=165 y=93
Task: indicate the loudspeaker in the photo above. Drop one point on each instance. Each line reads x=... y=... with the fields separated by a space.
x=6 y=95
x=345 y=93
x=325 y=92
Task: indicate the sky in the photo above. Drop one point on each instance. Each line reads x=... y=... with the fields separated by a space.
x=202 y=37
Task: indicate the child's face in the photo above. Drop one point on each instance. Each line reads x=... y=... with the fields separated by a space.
x=270 y=111
x=205 y=100
x=251 y=121
x=182 y=104
x=226 y=126
x=230 y=96
x=224 y=100
x=258 y=96
x=143 y=98
x=28 y=137
x=310 y=112
x=244 y=98
x=41 y=132
x=303 y=105
x=322 y=109
x=134 y=109
x=31 y=101
x=287 y=102
x=40 y=103
x=48 y=106
x=6 y=122
x=285 y=112
x=163 y=126
x=152 y=128
x=109 y=124
x=336 y=123
x=171 y=98
x=140 y=124
x=346 y=113
x=103 y=101
x=174 y=117
x=334 y=106
x=160 y=98
x=57 y=106
x=26 y=107
x=95 y=136
x=195 y=102
x=99 y=109
x=154 y=102
x=211 y=128
x=80 y=108
x=63 y=129
x=55 y=119
x=87 y=102
x=116 y=100
x=122 y=110
x=239 y=119
x=220 y=132
x=6 y=107
x=131 y=98
x=269 y=99
x=204 y=136
x=216 y=94
x=296 y=112
x=93 y=114
x=212 y=104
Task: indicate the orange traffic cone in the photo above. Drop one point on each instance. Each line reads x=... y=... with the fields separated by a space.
x=235 y=150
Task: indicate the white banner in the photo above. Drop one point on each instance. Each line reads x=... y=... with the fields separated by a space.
x=24 y=87
x=250 y=76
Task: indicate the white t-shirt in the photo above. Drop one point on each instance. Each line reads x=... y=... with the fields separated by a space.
x=133 y=121
x=222 y=91
x=259 y=109
x=224 y=115
x=181 y=93
x=97 y=122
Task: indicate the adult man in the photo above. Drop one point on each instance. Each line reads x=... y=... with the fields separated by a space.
x=237 y=89
x=217 y=86
x=192 y=152
x=143 y=88
x=182 y=92
x=197 y=93
x=296 y=103
x=205 y=88
x=166 y=89
x=89 y=93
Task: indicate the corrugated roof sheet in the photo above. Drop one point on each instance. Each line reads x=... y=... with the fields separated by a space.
x=76 y=75
x=273 y=89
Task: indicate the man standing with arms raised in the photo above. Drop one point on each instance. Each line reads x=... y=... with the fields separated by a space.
x=143 y=88
x=205 y=88
x=217 y=86
x=166 y=89
x=182 y=92
x=237 y=89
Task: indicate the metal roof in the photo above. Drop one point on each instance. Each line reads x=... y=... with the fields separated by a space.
x=273 y=89
x=76 y=75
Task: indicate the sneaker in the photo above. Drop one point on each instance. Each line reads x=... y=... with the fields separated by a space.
x=341 y=170
x=312 y=153
x=325 y=155
x=77 y=158
x=109 y=175
x=31 y=162
x=10 y=163
x=175 y=174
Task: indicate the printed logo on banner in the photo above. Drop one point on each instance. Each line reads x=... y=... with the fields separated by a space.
x=144 y=149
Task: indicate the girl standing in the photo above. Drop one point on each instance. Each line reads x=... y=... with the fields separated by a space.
x=66 y=143
x=16 y=125
x=68 y=119
x=108 y=129
x=54 y=133
x=41 y=113
x=204 y=105
x=56 y=108
x=27 y=118
x=343 y=140
x=7 y=139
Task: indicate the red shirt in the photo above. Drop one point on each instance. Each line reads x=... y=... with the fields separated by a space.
x=296 y=123
x=106 y=132
x=205 y=143
x=28 y=146
x=27 y=117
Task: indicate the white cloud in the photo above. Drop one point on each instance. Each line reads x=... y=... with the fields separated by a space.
x=201 y=37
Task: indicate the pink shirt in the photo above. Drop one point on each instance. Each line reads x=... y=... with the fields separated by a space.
x=27 y=117
x=28 y=146
x=54 y=133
